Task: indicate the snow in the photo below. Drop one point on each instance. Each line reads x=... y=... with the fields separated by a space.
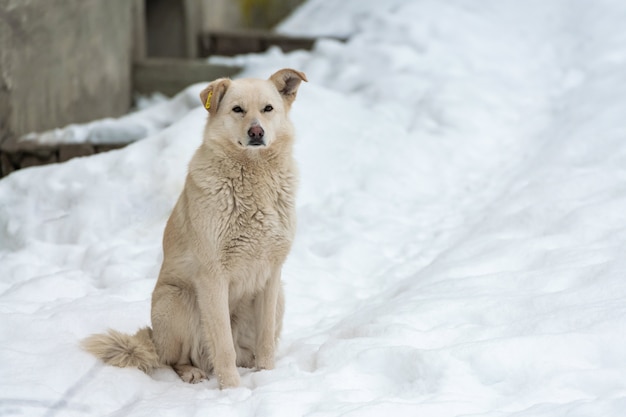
x=461 y=235
x=153 y=113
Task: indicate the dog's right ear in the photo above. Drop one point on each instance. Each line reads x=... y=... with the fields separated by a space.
x=212 y=95
x=287 y=81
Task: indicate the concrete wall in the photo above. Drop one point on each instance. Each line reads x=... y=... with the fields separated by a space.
x=63 y=61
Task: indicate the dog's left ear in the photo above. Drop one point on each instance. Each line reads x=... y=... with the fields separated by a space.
x=212 y=95
x=287 y=81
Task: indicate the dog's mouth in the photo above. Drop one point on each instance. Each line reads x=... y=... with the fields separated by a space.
x=255 y=143
x=252 y=144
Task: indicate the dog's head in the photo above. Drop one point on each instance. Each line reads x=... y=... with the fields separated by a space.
x=252 y=113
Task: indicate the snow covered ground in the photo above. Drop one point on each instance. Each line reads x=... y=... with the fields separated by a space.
x=462 y=228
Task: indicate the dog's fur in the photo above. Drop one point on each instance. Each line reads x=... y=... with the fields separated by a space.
x=218 y=302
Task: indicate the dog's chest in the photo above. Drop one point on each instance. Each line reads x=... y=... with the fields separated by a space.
x=257 y=218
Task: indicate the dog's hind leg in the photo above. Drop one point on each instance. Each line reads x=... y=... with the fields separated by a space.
x=174 y=326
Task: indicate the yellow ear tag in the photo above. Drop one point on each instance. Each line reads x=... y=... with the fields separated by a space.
x=207 y=105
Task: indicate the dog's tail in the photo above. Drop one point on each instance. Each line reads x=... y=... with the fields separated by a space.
x=124 y=350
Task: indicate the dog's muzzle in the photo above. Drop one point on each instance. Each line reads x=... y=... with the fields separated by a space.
x=255 y=135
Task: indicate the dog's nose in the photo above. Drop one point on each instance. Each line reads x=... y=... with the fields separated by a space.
x=255 y=133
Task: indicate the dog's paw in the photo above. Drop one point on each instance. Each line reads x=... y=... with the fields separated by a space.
x=189 y=373
x=265 y=362
x=228 y=379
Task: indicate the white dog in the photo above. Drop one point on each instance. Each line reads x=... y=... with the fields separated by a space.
x=218 y=302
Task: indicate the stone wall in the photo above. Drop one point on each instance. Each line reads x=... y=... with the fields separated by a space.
x=63 y=61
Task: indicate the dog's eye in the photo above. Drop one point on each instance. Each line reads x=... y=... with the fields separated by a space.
x=268 y=108
x=237 y=109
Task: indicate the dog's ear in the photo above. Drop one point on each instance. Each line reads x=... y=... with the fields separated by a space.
x=212 y=95
x=287 y=81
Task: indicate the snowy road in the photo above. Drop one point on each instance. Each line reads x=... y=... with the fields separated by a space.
x=461 y=238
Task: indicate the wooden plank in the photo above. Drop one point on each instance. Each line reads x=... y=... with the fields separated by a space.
x=18 y=154
x=73 y=150
x=169 y=76
x=229 y=43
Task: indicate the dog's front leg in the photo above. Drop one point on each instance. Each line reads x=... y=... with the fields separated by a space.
x=213 y=303
x=265 y=311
